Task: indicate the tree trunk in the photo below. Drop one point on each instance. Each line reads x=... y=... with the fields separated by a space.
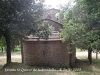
x=22 y=51
x=7 y=38
x=2 y=49
x=96 y=54
x=90 y=55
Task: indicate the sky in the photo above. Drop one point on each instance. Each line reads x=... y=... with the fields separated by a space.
x=55 y=3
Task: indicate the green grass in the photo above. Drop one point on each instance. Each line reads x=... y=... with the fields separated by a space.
x=85 y=65
x=23 y=66
x=86 y=68
x=2 y=54
x=87 y=73
x=17 y=48
x=3 y=61
x=79 y=50
x=16 y=53
x=12 y=53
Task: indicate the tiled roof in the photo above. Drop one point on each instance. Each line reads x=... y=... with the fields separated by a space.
x=55 y=36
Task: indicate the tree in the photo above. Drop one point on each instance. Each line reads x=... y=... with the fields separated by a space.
x=17 y=18
x=74 y=30
x=45 y=30
x=91 y=8
x=85 y=14
x=2 y=44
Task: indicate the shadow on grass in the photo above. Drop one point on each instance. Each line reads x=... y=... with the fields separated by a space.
x=86 y=66
x=1 y=66
x=86 y=69
x=23 y=70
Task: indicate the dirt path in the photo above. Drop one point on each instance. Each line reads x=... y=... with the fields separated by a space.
x=13 y=56
x=85 y=54
x=77 y=54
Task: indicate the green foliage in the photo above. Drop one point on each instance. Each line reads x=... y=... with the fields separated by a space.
x=92 y=11
x=82 y=25
x=45 y=30
x=18 y=17
x=2 y=42
x=17 y=20
x=73 y=29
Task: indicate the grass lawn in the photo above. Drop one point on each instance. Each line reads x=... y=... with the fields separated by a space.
x=19 y=68
x=13 y=53
x=3 y=61
x=79 y=50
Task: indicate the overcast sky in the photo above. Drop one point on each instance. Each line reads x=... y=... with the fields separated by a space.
x=54 y=3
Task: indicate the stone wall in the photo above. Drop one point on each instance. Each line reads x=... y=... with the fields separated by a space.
x=57 y=26
x=50 y=53
x=52 y=15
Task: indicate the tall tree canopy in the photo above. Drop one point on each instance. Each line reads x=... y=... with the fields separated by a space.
x=82 y=24
x=85 y=14
x=18 y=18
x=92 y=21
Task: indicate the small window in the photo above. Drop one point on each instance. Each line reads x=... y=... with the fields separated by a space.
x=57 y=16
